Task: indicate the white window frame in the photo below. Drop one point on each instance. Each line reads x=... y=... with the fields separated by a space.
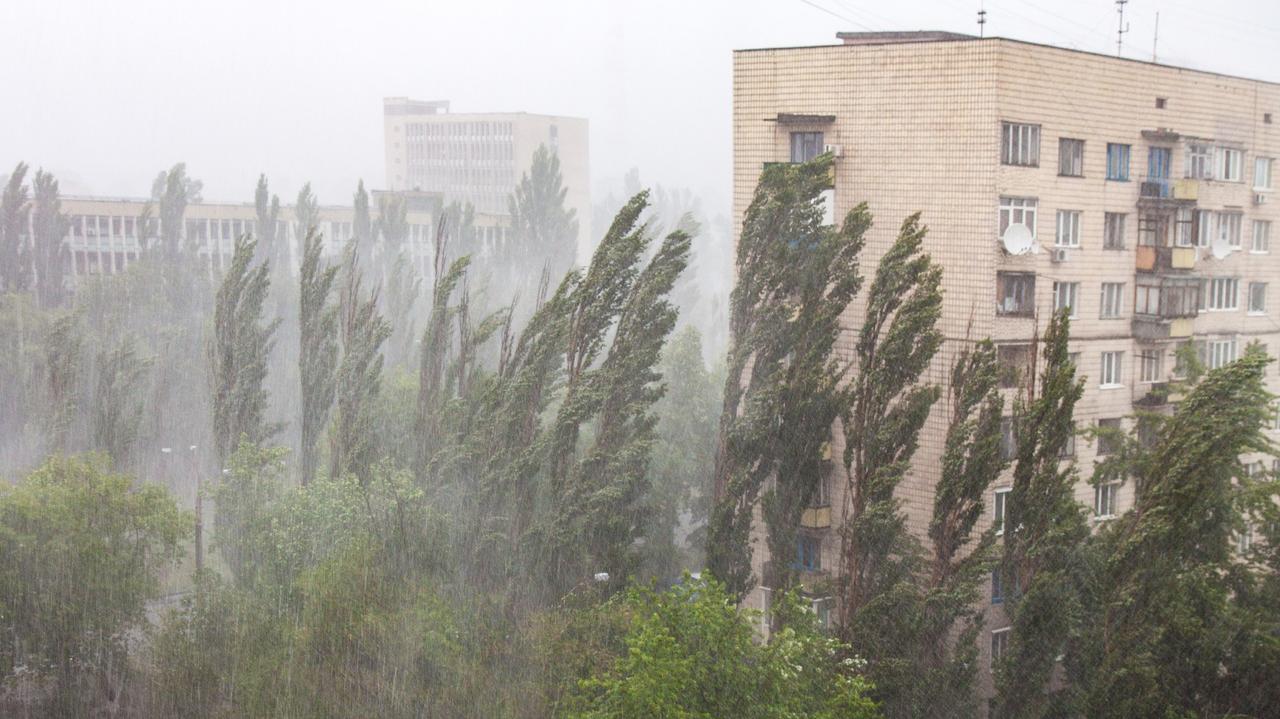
x=1257 y=290
x=1014 y=210
x=1112 y=306
x=1067 y=294
x=1260 y=232
x=1002 y=642
x=999 y=508
x=1262 y=172
x=1151 y=366
x=1200 y=161
x=1106 y=497
x=1220 y=353
x=1019 y=144
x=1112 y=369
x=1203 y=220
x=1068 y=234
x=1229 y=164
x=1223 y=294
x=1227 y=227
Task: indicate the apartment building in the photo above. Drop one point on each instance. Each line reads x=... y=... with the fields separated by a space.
x=1141 y=196
x=104 y=233
x=480 y=157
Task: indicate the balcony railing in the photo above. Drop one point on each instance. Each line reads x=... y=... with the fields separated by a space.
x=1158 y=190
x=1164 y=259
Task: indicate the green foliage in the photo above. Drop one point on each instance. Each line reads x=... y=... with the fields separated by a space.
x=238 y=353
x=81 y=550
x=63 y=366
x=173 y=191
x=352 y=447
x=795 y=278
x=16 y=268
x=318 y=348
x=690 y=652
x=393 y=222
x=306 y=211
x=543 y=229
x=119 y=399
x=48 y=240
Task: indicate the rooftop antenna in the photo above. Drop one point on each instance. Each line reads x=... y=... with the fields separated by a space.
x=982 y=20
x=1123 y=27
x=1155 y=41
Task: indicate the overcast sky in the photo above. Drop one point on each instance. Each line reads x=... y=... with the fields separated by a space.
x=106 y=93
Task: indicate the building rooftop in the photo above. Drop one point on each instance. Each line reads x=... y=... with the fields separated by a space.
x=896 y=36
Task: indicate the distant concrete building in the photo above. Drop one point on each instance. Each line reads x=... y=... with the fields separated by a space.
x=1141 y=196
x=480 y=157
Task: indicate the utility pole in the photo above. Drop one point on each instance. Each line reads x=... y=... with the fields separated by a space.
x=1155 y=40
x=1123 y=27
x=982 y=19
x=195 y=469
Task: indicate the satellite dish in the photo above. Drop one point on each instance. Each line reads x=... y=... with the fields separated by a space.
x=1017 y=239
x=1220 y=249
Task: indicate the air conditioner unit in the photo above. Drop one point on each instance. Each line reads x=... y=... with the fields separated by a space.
x=1259 y=198
x=1060 y=254
x=835 y=150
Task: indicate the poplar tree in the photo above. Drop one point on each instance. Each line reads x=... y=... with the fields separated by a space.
x=119 y=399
x=1044 y=530
x=239 y=352
x=173 y=191
x=306 y=211
x=49 y=231
x=267 y=208
x=62 y=362
x=361 y=225
x=318 y=348
x=544 y=229
x=352 y=448
x=393 y=224
x=1177 y=629
x=781 y=393
x=15 y=247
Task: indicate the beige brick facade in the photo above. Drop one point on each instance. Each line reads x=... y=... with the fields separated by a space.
x=918 y=126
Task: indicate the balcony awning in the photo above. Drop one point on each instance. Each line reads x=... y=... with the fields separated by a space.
x=801 y=118
x=1161 y=135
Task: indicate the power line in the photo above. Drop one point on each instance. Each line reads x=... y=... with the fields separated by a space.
x=835 y=14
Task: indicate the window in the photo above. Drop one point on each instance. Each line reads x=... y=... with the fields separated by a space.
x=1117 y=162
x=1244 y=539
x=1068 y=228
x=997 y=586
x=1070 y=157
x=1218 y=353
x=1104 y=500
x=1153 y=230
x=1111 y=366
x=1261 y=236
x=1227 y=227
x=1151 y=363
x=1224 y=294
x=805 y=146
x=1262 y=173
x=1107 y=439
x=998 y=506
x=1162 y=103
x=1014 y=362
x=1146 y=300
x=821 y=492
x=1112 y=299
x=1257 y=298
x=1113 y=231
x=1229 y=164
x=1015 y=293
x=1020 y=144
x=1008 y=440
x=999 y=644
x=1266 y=118
x=1200 y=227
x=808 y=553
x=1066 y=294
x=1068 y=449
x=1199 y=161
x=1184 y=227
x=1018 y=210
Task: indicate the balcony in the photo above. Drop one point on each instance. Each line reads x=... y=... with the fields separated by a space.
x=1164 y=191
x=816 y=518
x=1154 y=328
x=1164 y=259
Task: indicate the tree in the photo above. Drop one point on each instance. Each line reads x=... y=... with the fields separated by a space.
x=782 y=393
x=49 y=232
x=173 y=191
x=351 y=444
x=1044 y=530
x=62 y=362
x=318 y=348
x=393 y=223
x=119 y=398
x=81 y=550
x=361 y=225
x=239 y=352
x=267 y=207
x=15 y=247
x=690 y=652
x=306 y=211
x=1177 y=630
x=544 y=229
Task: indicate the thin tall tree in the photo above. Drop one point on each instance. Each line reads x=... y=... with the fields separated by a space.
x=318 y=348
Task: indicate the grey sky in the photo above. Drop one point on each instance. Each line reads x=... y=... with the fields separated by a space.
x=108 y=93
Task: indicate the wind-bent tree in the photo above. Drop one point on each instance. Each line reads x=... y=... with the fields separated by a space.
x=173 y=191
x=318 y=348
x=352 y=449
x=49 y=240
x=1176 y=631
x=15 y=246
x=1044 y=530
x=361 y=224
x=267 y=207
x=393 y=224
x=119 y=399
x=795 y=277
x=239 y=352
x=545 y=231
x=62 y=362
x=306 y=211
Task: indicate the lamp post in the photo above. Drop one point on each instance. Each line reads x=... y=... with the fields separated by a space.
x=195 y=471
